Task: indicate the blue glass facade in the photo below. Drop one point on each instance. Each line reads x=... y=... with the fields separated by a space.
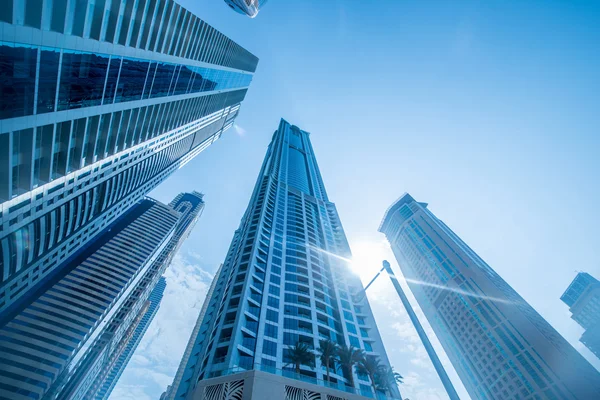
x=285 y=280
x=91 y=79
x=583 y=298
x=100 y=101
x=76 y=333
x=43 y=342
x=582 y=282
x=499 y=345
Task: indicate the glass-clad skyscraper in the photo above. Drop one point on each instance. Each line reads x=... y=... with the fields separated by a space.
x=246 y=7
x=285 y=282
x=499 y=345
x=583 y=298
x=100 y=101
x=64 y=342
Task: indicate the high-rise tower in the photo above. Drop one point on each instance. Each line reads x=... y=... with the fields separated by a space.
x=64 y=342
x=583 y=298
x=285 y=281
x=100 y=101
x=499 y=345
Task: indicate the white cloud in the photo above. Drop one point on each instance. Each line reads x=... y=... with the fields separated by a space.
x=130 y=392
x=239 y=130
x=157 y=358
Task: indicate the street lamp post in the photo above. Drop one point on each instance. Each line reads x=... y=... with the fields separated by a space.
x=439 y=368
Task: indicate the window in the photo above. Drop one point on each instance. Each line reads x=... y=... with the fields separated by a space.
x=269 y=348
x=47 y=81
x=82 y=80
x=17 y=89
x=273 y=290
x=271 y=331
x=351 y=328
x=273 y=302
x=290 y=338
x=354 y=341
x=272 y=316
x=268 y=363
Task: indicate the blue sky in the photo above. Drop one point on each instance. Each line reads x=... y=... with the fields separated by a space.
x=488 y=111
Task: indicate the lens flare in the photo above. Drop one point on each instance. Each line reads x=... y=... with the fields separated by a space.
x=456 y=290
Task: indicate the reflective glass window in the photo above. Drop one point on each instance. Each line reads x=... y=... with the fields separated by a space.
x=351 y=328
x=82 y=80
x=132 y=79
x=33 y=13
x=138 y=21
x=183 y=81
x=271 y=330
x=78 y=17
x=6 y=12
x=59 y=10
x=269 y=348
x=47 y=82
x=61 y=147
x=111 y=80
x=272 y=316
x=162 y=80
x=96 y=20
x=17 y=80
x=354 y=341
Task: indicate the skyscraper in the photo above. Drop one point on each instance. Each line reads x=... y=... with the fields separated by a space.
x=499 y=345
x=100 y=101
x=285 y=281
x=119 y=366
x=583 y=298
x=247 y=7
x=65 y=341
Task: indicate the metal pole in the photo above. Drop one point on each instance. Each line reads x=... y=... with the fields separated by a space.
x=439 y=368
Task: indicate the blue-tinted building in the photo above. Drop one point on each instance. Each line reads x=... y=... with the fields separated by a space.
x=246 y=7
x=499 y=345
x=117 y=369
x=285 y=280
x=72 y=332
x=100 y=101
x=583 y=298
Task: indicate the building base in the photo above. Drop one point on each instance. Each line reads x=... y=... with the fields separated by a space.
x=259 y=385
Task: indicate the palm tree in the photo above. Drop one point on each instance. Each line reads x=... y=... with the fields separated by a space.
x=327 y=352
x=388 y=377
x=299 y=355
x=347 y=358
x=370 y=365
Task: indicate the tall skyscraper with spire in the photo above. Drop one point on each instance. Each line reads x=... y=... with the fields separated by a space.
x=499 y=345
x=66 y=339
x=285 y=282
x=100 y=101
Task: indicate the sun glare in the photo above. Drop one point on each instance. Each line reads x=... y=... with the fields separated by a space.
x=367 y=256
